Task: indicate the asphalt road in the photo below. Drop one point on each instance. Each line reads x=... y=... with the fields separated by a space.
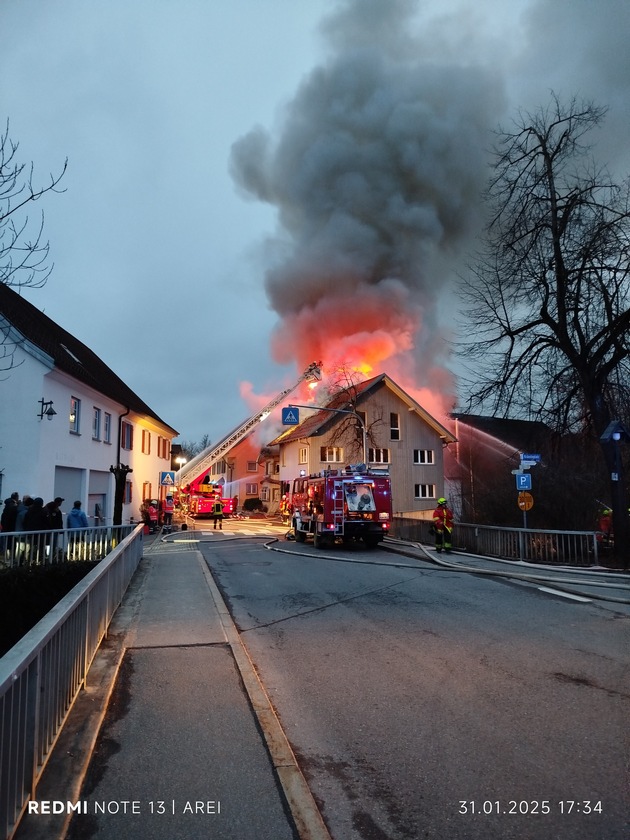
x=429 y=703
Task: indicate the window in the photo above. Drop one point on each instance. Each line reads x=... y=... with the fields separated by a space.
x=251 y=489
x=126 y=436
x=424 y=491
x=423 y=456
x=146 y=443
x=107 y=428
x=96 y=424
x=146 y=490
x=264 y=494
x=75 y=414
x=331 y=454
x=303 y=455
x=127 y=498
x=252 y=466
x=164 y=448
x=394 y=426
x=378 y=456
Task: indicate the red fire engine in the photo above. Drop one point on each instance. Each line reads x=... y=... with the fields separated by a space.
x=351 y=503
x=200 y=493
x=201 y=496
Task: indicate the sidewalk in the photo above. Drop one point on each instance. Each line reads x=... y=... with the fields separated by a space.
x=183 y=743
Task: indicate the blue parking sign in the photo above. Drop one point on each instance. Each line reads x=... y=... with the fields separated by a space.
x=524 y=482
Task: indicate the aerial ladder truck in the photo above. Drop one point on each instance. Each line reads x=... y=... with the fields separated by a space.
x=202 y=493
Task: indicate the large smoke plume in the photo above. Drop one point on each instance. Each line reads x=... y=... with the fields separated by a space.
x=376 y=172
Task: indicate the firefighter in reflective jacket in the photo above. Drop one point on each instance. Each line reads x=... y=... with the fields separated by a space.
x=217 y=513
x=167 y=512
x=442 y=525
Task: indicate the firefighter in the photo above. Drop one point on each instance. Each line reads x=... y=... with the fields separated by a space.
x=167 y=510
x=605 y=528
x=442 y=525
x=217 y=513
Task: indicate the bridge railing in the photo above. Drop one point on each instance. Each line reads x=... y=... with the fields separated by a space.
x=566 y=548
x=43 y=548
x=41 y=676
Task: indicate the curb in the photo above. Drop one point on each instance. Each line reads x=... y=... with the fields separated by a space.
x=306 y=815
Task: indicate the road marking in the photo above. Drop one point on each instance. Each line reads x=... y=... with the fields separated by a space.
x=565 y=595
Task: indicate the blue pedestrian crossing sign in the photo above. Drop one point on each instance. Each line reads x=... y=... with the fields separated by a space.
x=291 y=416
x=524 y=482
x=167 y=479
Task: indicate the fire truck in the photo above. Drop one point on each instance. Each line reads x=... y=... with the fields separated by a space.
x=354 y=503
x=203 y=495
x=198 y=491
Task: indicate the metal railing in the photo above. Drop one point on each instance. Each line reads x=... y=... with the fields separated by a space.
x=43 y=548
x=566 y=548
x=41 y=676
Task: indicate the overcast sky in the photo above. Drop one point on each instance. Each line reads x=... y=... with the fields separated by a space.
x=253 y=183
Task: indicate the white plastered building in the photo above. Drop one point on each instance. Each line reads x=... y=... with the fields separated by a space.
x=66 y=418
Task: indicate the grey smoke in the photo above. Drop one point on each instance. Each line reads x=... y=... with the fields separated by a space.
x=377 y=165
x=376 y=169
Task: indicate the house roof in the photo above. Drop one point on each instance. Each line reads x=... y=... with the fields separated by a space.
x=69 y=354
x=321 y=421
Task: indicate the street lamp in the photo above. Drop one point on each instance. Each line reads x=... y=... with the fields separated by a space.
x=614 y=434
x=180 y=460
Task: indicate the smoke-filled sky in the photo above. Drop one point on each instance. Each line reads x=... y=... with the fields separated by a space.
x=253 y=184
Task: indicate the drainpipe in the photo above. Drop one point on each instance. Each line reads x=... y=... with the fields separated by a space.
x=120 y=472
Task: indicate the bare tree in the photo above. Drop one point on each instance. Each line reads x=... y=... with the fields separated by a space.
x=190 y=448
x=23 y=251
x=342 y=390
x=548 y=298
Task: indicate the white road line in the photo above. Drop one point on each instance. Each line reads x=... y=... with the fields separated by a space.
x=565 y=595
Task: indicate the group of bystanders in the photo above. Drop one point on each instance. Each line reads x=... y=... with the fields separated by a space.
x=29 y=514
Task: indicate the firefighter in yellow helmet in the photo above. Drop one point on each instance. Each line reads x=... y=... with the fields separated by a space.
x=442 y=525
x=217 y=512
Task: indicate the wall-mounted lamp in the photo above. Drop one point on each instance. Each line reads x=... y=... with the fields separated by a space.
x=46 y=409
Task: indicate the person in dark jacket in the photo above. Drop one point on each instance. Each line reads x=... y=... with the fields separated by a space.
x=9 y=515
x=37 y=519
x=22 y=507
x=7 y=523
x=55 y=517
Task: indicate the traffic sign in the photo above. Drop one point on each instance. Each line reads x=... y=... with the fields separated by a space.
x=167 y=479
x=524 y=481
x=525 y=501
x=527 y=456
x=291 y=416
